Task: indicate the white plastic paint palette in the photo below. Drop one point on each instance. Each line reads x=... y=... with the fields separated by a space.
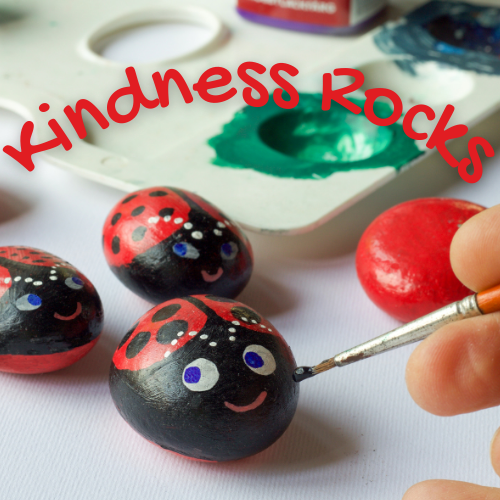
x=51 y=55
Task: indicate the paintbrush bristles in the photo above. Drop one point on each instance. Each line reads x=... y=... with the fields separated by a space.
x=325 y=365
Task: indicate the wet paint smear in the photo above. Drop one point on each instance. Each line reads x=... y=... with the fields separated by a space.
x=309 y=143
x=453 y=33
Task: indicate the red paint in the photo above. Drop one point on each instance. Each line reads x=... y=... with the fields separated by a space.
x=242 y=409
x=26 y=364
x=403 y=260
x=154 y=351
x=33 y=257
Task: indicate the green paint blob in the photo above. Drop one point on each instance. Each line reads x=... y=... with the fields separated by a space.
x=308 y=143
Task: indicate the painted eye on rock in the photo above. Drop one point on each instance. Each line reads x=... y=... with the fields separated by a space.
x=200 y=375
x=74 y=282
x=259 y=359
x=229 y=250
x=186 y=250
x=28 y=302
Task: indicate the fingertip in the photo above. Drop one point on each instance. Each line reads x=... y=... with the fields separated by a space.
x=437 y=489
x=495 y=452
x=475 y=250
x=457 y=369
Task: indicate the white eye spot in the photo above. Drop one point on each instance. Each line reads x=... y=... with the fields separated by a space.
x=197 y=235
x=37 y=283
x=178 y=220
x=213 y=344
x=221 y=224
x=259 y=359
x=192 y=334
x=188 y=225
x=74 y=282
x=229 y=250
x=204 y=336
x=28 y=302
x=200 y=375
x=28 y=280
x=232 y=339
x=53 y=271
x=174 y=342
x=217 y=232
x=17 y=278
x=232 y=330
x=235 y=322
x=180 y=334
x=53 y=278
x=153 y=220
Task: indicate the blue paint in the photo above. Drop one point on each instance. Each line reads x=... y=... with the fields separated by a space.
x=192 y=375
x=78 y=281
x=459 y=34
x=253 y=359
x=34 y=300
x=180 y=249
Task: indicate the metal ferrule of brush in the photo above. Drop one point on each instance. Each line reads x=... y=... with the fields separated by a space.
x=414 y=331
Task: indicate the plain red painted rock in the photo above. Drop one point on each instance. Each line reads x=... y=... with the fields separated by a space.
x=403 y=257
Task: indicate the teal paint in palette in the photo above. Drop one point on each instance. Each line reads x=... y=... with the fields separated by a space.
x=315 y=16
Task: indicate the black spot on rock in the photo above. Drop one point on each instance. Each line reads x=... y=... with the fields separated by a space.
x=25 y=257
x=39 y=260
x=138 y=233
x=137 y=344
x=165 y=211
x=165 y=312
x=169 y=331
x=244 y=312
x=138 y=211
x=158 y=193
x=127 y=336
x=115 y=245
x=126 y=200
x=115 y=218
x=219 y=299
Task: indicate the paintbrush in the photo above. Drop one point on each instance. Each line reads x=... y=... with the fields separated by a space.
x=474 y=305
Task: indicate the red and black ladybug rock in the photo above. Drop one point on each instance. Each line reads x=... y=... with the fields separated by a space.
x=50 y=313
x=205 y=377
x=164 y=243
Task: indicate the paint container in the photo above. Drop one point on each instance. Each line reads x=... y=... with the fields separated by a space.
x=315 y=16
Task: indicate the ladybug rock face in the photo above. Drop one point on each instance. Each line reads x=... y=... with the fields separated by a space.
x=50 y=313
x=164 y=243
x=205 y=377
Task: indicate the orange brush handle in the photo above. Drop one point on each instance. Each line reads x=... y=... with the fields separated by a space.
x=489 y=300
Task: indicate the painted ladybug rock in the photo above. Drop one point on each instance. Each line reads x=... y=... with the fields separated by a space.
x=206 y=378
x=50 y=313
x=164 y=243
x=403 y=257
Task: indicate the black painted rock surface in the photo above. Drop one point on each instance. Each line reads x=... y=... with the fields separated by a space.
x=50 y=313
x=205 y=377
x=164 y=243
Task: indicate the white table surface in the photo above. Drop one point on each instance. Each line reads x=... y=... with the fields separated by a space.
x=357 y=433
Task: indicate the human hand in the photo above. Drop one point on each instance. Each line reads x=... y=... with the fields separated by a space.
x=457 y=369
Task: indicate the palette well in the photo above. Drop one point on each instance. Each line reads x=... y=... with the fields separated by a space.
x=289 y=170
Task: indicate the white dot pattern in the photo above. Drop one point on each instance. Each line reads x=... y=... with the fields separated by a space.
x=213 y=344
x=153 y=220
x=192 y=334
x=197 y=235
x=28 y=280
x=188 y=225
x=235 y=322
x=232 y=339
x=174 y=342
x=204 y=336
x=180 y=334
x=232 y=330
x=178 y=220
x=17 y=278
x=37 y=283
x=217 y=232
x=53 y=278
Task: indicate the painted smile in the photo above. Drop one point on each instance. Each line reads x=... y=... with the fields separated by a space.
x=240 y=409
x=212 y=277
x=73 y=316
